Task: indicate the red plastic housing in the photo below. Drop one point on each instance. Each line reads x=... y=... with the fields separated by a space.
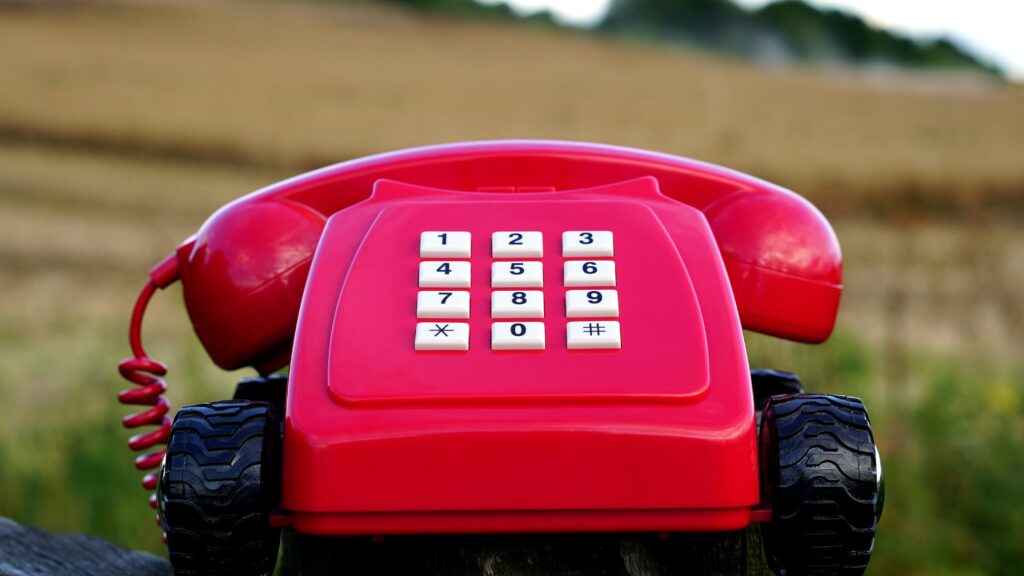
x=782 y=256
x=381 y=438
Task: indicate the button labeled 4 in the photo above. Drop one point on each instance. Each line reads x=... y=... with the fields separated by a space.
x=444 y=274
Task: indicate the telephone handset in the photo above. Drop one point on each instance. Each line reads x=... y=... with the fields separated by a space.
x=244 y=275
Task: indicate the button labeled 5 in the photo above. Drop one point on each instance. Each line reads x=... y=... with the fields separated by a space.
x=517 y=275
x=444 y=274
x=441 y=304
x=592 y=304
x=444 y=245
x=517 y=245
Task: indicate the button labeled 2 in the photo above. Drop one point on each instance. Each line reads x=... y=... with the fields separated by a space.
x=444 y=274
x=441 y=304
x=517 y=245
x=517 y=336
x=592 y=304
x=434 y=244
x=577 y=243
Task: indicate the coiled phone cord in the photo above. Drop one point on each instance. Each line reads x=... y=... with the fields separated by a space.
x=146 y=374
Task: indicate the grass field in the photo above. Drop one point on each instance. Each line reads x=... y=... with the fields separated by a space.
x=122 y=126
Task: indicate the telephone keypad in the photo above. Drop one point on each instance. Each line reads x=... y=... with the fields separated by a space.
x=517 y=336
x=586 y=243
x=444 y=274
x=592 y=304
x=445 y=244
x=596 y=273
x=517 y=244
x=517 y=304
x=593 y=335
x=517 y=274
x=442 y=304
x=442 y=336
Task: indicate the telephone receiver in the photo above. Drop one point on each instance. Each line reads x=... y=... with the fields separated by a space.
x=244 y=271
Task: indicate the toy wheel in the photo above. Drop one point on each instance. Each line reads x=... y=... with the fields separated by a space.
x=821 y=474
x=220 y=480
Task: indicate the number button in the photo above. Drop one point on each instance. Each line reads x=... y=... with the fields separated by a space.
x=592 y=335
x=517 y=336
x=517 y=245
x=592 y=304
x=444 y=274
x=442 y=336
x=517 y=275
x=589 y=273
x=584 y=243
x=517 y=304
x=435 y=244
x=441 y=304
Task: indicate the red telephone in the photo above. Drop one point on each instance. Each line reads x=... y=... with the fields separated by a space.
x=495 y=337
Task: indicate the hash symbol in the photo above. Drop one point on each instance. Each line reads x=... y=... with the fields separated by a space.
x=439 y=330
x=594 y=329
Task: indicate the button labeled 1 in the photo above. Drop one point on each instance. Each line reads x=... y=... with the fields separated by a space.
x=442 y=336
x=587 y=243
x=447 y=274
x=592 y=304
x=444 y=244
x=441 y=304
x=593 y=335
x=517 y=304
x=517 y=336
x=517 y=245
x=517 y=274
x=589 y=273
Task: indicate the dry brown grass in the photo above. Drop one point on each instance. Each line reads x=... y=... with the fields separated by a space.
x=295 y=84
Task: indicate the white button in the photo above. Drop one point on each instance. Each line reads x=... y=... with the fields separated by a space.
x=589 y=273
x=442 y=336
x=444 y=274
x=603 y=334
x=444 y=244
x=587 y=243
x=441 y=304
x=517 y=304
x=517 y=336
x=517 y=274
x=517 y=245
x=592 y=304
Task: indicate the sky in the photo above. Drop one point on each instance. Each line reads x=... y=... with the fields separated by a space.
x=991 y=29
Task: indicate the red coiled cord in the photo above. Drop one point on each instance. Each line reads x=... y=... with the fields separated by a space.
x=145 y=373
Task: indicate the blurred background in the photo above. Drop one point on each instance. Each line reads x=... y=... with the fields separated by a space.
x=123 y=125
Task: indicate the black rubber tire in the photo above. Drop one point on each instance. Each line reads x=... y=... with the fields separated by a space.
x=819 y=471
x=220 y=480
x=767 y=383
x=273 y=389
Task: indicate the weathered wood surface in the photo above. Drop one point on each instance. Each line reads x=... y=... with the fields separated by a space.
x=33 y=552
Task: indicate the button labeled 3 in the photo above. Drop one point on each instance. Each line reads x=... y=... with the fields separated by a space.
x=576 y=243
